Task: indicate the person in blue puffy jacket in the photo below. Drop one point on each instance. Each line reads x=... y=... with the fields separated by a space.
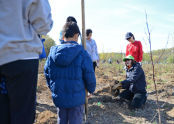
x=68 y=72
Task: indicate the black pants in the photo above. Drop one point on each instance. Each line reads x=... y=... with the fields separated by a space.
x=94 y=65
x=18 y=105
x=136 y=100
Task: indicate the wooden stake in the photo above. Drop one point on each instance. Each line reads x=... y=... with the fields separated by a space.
x=84 y=45
x=83 y=24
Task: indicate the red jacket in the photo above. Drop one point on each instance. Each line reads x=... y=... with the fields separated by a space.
x=135 y=49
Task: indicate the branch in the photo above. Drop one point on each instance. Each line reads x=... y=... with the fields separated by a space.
x=155 y=86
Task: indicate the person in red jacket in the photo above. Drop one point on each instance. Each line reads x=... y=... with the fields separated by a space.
x=134 y=48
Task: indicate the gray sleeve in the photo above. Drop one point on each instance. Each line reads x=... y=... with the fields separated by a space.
x=40 y=16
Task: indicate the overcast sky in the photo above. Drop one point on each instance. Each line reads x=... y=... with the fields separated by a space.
x=111 y=19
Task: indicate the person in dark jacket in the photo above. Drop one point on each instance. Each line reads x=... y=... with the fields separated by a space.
x=134 y=84
x=69 y=71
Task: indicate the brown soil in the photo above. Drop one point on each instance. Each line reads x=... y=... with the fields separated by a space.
x=104 y=108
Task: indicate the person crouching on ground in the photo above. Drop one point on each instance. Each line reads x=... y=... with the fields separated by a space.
x=69 y=71
x=134 y=85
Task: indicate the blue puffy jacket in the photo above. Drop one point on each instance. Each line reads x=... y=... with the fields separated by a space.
x=135 y=76
x=69 y=71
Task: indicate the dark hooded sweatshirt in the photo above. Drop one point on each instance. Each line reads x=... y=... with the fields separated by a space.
x=135 y=76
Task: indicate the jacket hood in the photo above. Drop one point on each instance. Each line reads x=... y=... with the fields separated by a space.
x=64 y=54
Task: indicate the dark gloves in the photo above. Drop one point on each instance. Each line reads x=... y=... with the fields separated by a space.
x=115 y=88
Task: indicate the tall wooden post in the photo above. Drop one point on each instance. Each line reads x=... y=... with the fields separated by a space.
x=83 y=24
x=84 y=45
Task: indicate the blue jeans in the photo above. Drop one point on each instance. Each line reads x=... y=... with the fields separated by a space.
x=70 y=115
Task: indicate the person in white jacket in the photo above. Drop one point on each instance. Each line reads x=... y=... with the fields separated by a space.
x=21 y=21
x=91 y=48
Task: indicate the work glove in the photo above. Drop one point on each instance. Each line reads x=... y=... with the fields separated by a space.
x=117 y=86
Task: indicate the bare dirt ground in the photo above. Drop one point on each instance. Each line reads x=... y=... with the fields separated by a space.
x=105 y=109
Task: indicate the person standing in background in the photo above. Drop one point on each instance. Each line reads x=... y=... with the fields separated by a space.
x=69 y=19
x=91 y=48
x=20 y=47
x=134 y=48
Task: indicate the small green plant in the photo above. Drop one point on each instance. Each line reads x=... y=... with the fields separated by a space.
x=148 y=86
x=155 y=122
x=149 y=82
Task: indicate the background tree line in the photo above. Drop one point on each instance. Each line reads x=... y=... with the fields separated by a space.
x=162 y=56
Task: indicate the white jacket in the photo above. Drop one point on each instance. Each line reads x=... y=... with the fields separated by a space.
x=20 y=23
x=91 y=48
